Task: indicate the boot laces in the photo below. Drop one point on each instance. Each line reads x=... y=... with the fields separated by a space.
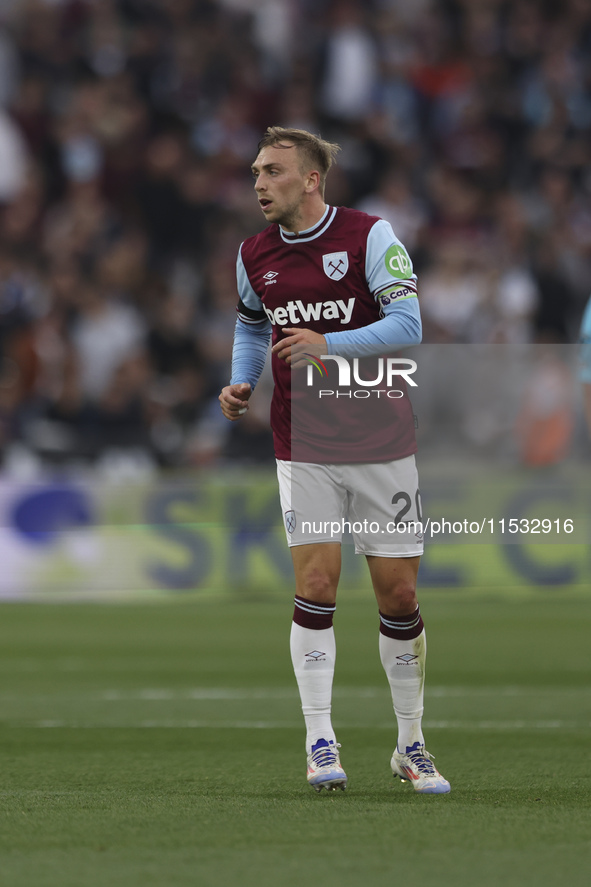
x=326 y=756
x=423 y=762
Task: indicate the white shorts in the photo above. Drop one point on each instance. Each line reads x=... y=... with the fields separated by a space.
x=378 y=504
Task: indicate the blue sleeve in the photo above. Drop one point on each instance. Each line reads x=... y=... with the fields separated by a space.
x=250 y=307
x=401 y=325
x=252 y=332
x=393 y=284
x=251 y=343
x=586 y=345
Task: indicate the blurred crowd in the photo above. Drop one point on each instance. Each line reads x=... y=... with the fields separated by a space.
x=127 y=130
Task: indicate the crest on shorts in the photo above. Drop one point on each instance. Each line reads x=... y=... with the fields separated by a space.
x=290 y=521
x=335 y=265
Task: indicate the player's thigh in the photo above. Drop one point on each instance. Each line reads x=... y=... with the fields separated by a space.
x=313 y=502
x=317 y=569
x=385 y=508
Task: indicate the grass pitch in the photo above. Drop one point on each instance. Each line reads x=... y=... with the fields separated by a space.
x=162 y=745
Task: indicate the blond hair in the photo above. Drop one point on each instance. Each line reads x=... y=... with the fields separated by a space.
x=314 y=152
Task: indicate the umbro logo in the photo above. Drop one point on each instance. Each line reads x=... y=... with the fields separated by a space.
x=315 y=655
x=270 y=276
x=407 y=657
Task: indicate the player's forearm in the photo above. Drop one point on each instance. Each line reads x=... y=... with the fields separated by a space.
x=400 y=327
x=251 y=342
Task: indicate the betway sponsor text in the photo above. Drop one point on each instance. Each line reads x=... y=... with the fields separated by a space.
x=297 y=312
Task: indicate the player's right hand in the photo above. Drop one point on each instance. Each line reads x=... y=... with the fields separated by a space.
x=234 y=400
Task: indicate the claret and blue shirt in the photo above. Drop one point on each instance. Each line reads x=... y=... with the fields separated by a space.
x=348 y=278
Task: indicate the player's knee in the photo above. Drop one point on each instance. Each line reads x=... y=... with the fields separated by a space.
x=318 y=585
x=401 y=599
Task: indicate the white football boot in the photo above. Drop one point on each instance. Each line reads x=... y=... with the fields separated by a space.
x=324 y=767
x=415 y=765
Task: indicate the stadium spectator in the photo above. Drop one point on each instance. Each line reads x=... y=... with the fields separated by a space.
x=12 y=159
x=349 y=75
x=106 y=334
x=394 y=201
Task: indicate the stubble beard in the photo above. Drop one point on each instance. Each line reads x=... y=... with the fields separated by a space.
x=290 y=217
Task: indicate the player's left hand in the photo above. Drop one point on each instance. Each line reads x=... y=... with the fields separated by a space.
x=295 y=339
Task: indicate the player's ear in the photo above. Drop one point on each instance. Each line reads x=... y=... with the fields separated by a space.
x=312 y=181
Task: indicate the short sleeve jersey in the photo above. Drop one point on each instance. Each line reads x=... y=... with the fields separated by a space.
x=337 y=276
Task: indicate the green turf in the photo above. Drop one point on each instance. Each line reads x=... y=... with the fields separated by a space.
x=161 y=745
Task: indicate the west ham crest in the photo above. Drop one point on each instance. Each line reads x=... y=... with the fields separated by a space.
x=290 y=521
x=335 y=265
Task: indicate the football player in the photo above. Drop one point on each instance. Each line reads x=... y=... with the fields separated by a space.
x=326 y=281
